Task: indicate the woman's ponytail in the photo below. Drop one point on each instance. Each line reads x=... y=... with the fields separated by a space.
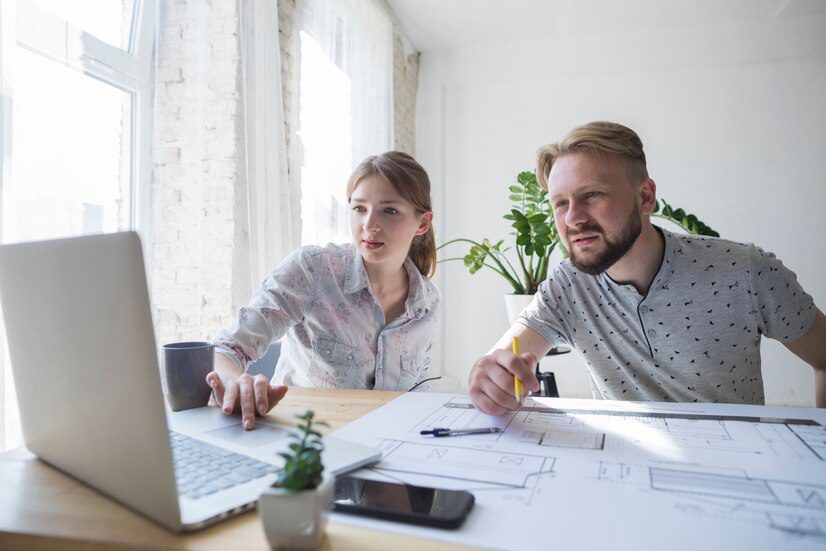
x=423 y=252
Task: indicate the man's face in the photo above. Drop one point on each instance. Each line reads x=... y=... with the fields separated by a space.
x=596 y=208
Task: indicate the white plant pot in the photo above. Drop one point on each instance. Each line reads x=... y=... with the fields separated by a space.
x=514 y=304
x=296 y=519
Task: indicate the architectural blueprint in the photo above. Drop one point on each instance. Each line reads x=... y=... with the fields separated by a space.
x=580 y=473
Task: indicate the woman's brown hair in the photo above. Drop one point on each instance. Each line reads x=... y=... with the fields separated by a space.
x=410 y=180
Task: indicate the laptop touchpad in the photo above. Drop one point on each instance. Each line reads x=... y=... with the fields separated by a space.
x=262 y=435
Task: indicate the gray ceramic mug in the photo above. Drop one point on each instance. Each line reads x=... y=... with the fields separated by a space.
x=186 y=365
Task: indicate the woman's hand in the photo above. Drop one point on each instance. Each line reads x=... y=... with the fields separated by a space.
x=250 y=395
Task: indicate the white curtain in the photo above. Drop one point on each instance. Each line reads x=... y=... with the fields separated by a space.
x=346 y=113
x=274 y=217
x=223 y=211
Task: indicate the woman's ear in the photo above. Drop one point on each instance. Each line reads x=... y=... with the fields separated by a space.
x=424 y=223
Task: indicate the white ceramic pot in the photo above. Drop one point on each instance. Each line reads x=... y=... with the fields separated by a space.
x=514 y=304
x=296 y=519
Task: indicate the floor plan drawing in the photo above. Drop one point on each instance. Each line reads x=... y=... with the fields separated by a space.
x=727 y=434
x=509 y=470
x=814 y=438
x=792 y=508
x=693 y=477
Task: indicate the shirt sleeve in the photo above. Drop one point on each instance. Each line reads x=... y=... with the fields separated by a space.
x=279 y=304
x=543 y=313
x=784 y=310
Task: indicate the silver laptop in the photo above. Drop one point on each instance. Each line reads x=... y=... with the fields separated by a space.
x=85 y=366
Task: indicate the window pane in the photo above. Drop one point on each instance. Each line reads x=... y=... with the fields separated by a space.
x=108 y=20
x=71 y=170
x=345 y=106
x=71 y=149
x=326 y=137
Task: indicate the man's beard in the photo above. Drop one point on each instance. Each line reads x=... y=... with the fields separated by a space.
x=614 y=249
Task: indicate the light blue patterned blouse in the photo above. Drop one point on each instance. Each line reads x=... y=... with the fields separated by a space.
x=336 y=335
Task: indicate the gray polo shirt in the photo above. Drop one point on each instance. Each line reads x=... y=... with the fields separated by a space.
x=693 y=337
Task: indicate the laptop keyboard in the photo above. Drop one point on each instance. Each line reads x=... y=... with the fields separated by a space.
x=202 y=469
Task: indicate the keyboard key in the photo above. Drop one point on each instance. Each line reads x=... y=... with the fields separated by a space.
x=202 y=469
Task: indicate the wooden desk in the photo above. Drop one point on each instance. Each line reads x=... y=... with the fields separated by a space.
x=41 y=508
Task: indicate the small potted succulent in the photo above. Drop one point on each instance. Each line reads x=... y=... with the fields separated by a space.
x=293 y=508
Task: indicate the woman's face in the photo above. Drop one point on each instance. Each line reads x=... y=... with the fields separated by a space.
x=383 y=223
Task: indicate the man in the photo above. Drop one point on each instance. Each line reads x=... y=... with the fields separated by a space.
x=655 y=315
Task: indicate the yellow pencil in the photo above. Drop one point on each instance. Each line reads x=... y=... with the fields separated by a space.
x=517 y=384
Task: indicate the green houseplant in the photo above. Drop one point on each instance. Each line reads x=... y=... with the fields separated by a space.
x=302 y=468
x=536 y=237
x=292 y=508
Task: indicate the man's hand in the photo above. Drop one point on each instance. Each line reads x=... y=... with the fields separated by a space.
x=491 y=381
x=250 y=395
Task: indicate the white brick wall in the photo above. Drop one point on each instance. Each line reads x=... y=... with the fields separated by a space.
x=198 y=177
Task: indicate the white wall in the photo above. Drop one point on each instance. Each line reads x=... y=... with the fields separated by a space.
x=733 y=119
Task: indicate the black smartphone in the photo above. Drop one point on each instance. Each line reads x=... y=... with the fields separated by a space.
x=402 y=502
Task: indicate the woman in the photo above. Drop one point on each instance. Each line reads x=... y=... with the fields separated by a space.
x=355 y=315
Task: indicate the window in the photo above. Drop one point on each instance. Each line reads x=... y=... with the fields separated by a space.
x=71 y=142
x=111 y=21
x=79 y=111
x=346 y=102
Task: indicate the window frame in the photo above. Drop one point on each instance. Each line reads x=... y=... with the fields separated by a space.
x=29 y=26
x=131 y=71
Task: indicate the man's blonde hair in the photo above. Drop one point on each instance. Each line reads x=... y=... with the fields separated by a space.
x=596 y=138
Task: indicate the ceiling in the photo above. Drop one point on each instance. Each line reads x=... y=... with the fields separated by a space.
x=443 y=24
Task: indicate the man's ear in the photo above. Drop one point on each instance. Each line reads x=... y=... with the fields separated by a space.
x=424 y=223
x=648 y=196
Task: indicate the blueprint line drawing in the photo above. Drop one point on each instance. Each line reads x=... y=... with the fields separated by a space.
x=814 y=438
x=794 y=508
x=598 y=430
x=698 y=477
x=511 y=470
x=656 y=414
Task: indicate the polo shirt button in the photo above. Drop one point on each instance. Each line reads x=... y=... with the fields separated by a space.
x=349 y=356
x=644 y=309
x=651 y=332
x=328 y=352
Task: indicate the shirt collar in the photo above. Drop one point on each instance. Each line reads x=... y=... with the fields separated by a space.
x=355 y=277
x=670 y=246
x=419 y=300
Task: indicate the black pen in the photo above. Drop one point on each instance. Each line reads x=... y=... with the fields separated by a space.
x=460 y=432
